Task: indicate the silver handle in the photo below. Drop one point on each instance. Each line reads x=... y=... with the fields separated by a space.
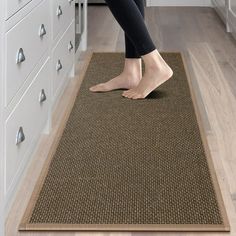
x=20 y=57
x=59 y=65
x=20 y=136
x=42 y=96
x=70 y=46
x=59 y=11
x=42 y=30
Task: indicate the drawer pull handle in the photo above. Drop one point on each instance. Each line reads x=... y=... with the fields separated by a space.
x=20 y=56
x=70 y=46
x=20 y=137
x=70 y=1
x=42 y=30
x=59 y=11
x=42 y=96
x=59 y=65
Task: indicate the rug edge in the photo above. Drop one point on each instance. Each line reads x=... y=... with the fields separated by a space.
x=125 y=227
x=225 y=227
x=213 y=174
x=43 y=173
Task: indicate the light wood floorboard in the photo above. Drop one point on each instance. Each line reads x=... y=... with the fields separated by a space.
x=210 y=54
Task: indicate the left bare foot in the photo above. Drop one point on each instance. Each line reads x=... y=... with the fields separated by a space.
x=129 y=78
x=152 y=79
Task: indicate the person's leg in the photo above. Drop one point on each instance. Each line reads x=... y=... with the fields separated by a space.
x=132 y=72
x=131 y=20
x=130 y=50
x=157 y=71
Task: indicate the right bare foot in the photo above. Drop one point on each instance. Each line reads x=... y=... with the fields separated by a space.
x=157 y=71
x=128 y=79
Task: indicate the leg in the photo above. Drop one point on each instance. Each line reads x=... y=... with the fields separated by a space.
x=157 y=71
x=130 y=18
x=132 y=73
x=130 y=50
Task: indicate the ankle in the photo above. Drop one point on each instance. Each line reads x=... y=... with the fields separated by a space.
x=153 y=61
x=133 y=66
x=132 y=74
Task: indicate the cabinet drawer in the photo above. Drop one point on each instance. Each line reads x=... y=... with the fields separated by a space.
x=25 y=46
x=63 y=13
x=26 y=121
x=63 y=57
x=12 y=6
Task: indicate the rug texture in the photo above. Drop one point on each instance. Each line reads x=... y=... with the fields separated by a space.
x=129 y=165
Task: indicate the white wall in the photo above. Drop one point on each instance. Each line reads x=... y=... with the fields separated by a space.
x=203 y=3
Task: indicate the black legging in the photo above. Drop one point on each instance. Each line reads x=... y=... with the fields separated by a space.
x=130 y=16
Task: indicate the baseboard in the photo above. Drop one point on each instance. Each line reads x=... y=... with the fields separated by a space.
x=199 y=3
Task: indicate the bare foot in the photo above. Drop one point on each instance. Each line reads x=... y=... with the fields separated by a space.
x=122 y=81
x=128 y=79
x=154 y=77
x=148 y=83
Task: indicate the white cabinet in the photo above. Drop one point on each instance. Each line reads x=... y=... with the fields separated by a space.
x=227 y=11
x=61 y=58
x=81 y=26
x=2 y=183
x=37 y=55
x=12 y=6
x=222 y=8
x=32 y=34
x=21 y=127
x=62 y=14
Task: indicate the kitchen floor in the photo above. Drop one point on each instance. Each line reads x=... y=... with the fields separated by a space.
x=210 y=54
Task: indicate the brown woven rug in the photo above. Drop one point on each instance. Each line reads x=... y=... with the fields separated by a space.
x=129 y=165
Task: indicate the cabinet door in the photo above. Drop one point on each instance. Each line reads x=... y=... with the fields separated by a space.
x=25 y=45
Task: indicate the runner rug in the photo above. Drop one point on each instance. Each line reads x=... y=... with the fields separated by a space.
x=129 y=165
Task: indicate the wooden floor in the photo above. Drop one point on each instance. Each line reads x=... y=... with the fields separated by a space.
x=211 y=59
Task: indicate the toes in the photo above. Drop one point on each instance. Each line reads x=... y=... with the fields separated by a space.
x=133 y=95
x=138 y=95
x=130 y=94
x=124 y=94
x=127 y=92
